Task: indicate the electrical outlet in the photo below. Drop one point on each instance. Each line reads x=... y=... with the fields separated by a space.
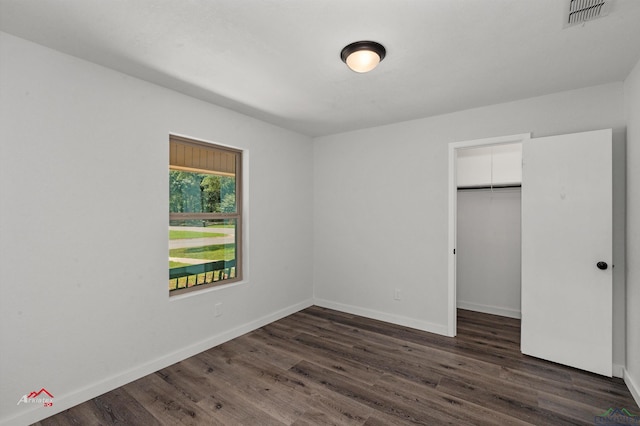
x=217 y=309
x=396 y=294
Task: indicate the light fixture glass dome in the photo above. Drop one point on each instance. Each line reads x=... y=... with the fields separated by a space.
x=363 y=60
x=363 y=56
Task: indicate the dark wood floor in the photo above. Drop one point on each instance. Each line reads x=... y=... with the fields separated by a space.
x=321 y=367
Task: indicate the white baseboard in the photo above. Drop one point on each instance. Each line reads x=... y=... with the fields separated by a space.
x=383 y=316
x=78 y=396
x=633 y=387
x=488 y=309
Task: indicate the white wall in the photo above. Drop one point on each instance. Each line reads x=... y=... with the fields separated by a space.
x=381 y=200
x=83 y=224
x=488 y=251
x=632 y=101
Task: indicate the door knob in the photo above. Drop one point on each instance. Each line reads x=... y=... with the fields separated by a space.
x=602 y=265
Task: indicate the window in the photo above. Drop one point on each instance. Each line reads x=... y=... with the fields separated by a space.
x=205 y=215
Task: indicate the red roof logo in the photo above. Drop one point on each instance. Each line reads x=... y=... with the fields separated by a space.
x=37 y=394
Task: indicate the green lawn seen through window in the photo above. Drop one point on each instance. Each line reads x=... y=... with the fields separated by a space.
x=183 y=235
x=211 y=252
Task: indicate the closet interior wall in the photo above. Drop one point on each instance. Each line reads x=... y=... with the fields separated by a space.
x=488 y=229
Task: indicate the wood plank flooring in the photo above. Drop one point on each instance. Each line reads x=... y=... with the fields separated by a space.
x=322 y=367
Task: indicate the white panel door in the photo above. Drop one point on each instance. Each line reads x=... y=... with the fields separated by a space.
x=566 y=232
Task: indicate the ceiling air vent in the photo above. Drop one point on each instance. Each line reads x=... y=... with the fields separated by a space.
x=580 y=11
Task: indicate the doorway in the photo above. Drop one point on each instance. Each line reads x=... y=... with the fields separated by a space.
x=454 y=149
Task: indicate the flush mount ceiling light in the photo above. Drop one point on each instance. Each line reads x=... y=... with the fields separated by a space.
x=363 y=56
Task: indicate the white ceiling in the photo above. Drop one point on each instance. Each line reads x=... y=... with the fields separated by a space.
x=278 y=60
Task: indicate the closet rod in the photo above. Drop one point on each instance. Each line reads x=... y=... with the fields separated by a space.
x=467 y=188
